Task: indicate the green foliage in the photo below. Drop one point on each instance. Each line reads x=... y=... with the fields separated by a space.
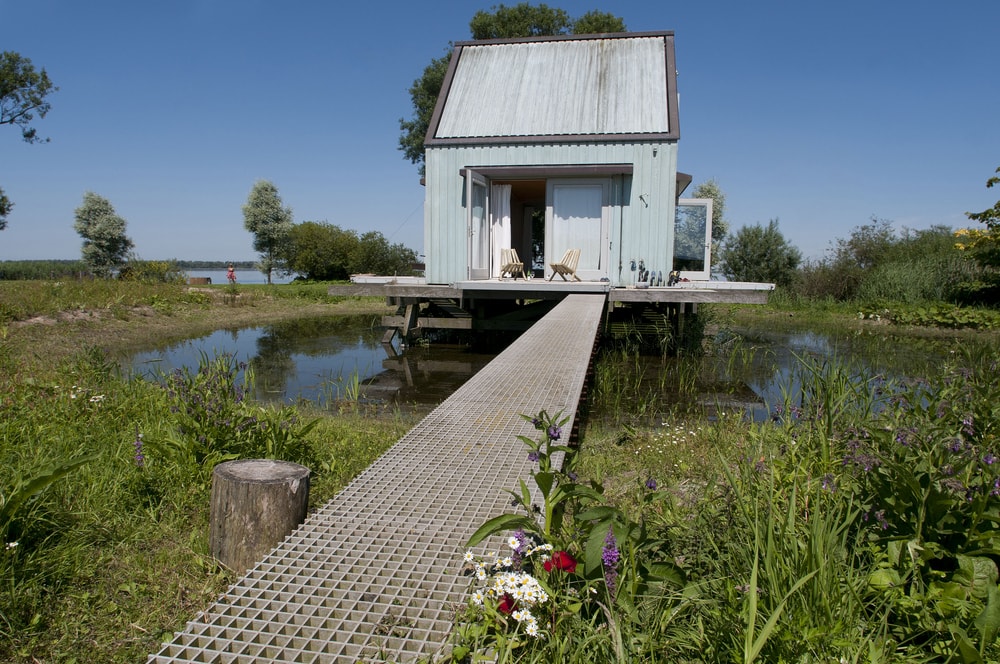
x=320 y=251
x=375 y=255
x=521 y=20
x=878 y=267
x=270 y=223
x=720 y=225
x=105 y=244
x=5 y=207
x=14 y=500
x=936 y=315
x=48 y=269
x=152 y=271
x=22 y=94
x=215 y=422
x=989 y=216
x=324 y=252
x=596 y=22
x=760 y=254
x=587 y=563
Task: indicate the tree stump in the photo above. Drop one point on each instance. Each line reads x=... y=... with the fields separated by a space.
x=255 y=504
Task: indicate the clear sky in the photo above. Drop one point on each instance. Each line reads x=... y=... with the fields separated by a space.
x=818 y=114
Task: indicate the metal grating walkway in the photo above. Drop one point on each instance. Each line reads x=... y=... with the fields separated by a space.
x=374 y=575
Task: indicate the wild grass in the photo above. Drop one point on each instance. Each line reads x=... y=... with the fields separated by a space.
x=104 y=494
x=858 y=524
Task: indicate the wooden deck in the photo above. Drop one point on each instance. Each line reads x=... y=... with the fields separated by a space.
x=374 y=575
x=515 y=304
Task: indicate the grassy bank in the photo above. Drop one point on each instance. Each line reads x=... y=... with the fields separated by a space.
x=104 y=498
x=861 y=523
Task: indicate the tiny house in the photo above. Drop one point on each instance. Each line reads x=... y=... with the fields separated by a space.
x=553 y=143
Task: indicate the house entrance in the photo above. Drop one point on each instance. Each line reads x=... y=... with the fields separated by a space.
x=540 y=219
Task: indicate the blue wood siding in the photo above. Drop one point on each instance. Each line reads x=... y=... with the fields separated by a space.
x=642 y=204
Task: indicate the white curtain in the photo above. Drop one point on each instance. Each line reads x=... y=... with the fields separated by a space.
x=499 y=224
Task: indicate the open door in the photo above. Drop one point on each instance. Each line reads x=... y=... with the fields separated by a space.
x=693 y=238
x=577 y=216
x=478 y=221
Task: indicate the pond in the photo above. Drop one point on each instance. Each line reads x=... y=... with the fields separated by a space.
x=324 y=361
x=329 y=360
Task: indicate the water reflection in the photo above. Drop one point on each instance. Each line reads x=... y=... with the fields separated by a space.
x=752 y=370
x=325 y=360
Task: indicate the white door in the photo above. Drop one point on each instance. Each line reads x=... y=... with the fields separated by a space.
x=477 y=211
x=577 y=216
x=693 y=238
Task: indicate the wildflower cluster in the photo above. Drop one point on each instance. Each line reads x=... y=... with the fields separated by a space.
x=508 y=588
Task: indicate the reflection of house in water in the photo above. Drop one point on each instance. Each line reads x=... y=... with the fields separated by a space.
x=548 y=144
x=421 y=377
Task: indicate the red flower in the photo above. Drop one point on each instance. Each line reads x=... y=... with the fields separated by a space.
x=562 y=561
x=507 y=605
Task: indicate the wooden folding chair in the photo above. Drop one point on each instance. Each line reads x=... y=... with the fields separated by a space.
x=510 y=264
x=566 y=265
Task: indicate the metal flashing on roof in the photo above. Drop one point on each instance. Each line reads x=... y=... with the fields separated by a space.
x=572 y=88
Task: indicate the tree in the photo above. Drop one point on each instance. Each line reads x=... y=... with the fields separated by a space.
x=22 y=95
x=720 y=226
x=321 y=251
x=5 y=207
x=270 y=223
x=983 y=244
x=522 y=20
x=375 y=255
x=105 y=244
x=760 y=254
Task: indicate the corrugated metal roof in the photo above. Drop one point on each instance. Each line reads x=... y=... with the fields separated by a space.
x=563 y=87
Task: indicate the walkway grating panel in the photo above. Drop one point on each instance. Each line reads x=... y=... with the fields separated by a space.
x=374 y=575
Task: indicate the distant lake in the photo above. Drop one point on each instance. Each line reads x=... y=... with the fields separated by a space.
x=243 y=276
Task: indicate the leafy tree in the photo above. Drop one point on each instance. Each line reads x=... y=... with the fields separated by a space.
x=522 y=20
x=105 y=244
x=321 y=251
x=375 y=255
x=760 y=254
x=720 y=226
x=983 y=244
x=270 y=223
x=5 y=207
x=868 y=245
x=711 y=189
x=22 y=95
x=990 y=216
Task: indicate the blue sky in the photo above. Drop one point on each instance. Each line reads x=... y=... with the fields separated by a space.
x=819 y=114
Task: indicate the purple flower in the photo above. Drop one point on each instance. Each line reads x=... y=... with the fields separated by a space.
x=609 y=559
x=967 y=425
x=533 y=455
x=554 y=432
x=829 y=483
x=882 y=522
x=651 y=484
x=140 y=460
x=989 y=459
